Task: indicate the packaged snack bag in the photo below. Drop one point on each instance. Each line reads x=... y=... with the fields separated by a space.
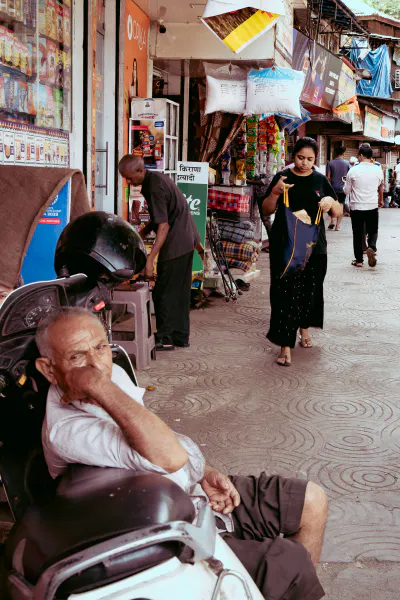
x=24 y=58
x=23 y=97
x=43 y=66
x=59 y=23
x=240 y=170
x=31 y=99
x=67 y=70
x=11 y=8
x=51 y=19
x=2 y=43
x=67 y=26
x=2 y=93
x=51 y=61
x=16 y=54
x=8 y=47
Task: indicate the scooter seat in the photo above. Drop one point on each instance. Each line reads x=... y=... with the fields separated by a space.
x=92 y=505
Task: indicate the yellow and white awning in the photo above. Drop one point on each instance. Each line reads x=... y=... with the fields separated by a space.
x=238 y=24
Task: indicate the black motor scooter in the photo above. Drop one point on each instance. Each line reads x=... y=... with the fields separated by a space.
x=95 y=532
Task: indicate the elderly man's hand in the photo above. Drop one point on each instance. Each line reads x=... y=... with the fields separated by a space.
x=223 y=495
x=85 y=384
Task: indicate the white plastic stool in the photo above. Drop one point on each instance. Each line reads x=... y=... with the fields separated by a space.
x=137 y=298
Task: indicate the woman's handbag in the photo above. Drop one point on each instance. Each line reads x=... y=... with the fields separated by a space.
x=300 y=239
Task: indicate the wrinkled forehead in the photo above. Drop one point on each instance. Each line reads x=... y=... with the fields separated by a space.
x=75 y=332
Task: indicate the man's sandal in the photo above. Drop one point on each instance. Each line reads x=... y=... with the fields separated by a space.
x=357 y=264
x=306 y=343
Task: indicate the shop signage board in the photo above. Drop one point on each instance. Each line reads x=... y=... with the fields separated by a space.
x=379 y=126
x=328 y=80
x=38 y=263
x=238 y=23
x=192 y=180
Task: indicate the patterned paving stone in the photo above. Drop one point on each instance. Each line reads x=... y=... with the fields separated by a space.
x=334 y=416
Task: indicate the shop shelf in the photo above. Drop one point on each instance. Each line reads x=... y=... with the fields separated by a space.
x=6 y=19
x=59 y=44
x=14 y=71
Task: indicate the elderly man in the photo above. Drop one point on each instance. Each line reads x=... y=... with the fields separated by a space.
x=176 y=239
x=95 y=416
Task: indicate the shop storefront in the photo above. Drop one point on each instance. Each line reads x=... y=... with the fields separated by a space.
x=35 y=82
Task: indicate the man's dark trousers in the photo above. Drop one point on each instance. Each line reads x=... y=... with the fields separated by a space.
x=171 y=296
x=360 y=220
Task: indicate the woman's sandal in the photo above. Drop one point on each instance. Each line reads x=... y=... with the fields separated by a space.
x=306 y=343
x=331 y=226
x=283 y=361
x=357 y=264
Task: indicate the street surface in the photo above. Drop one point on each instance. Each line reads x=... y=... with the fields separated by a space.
x=332 y=417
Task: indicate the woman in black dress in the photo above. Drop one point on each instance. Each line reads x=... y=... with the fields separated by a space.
x=297 y=301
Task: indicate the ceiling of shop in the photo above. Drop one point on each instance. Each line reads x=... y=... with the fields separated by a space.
x=172 y=11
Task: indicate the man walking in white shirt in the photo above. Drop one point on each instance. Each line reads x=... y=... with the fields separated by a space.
x=364 y=184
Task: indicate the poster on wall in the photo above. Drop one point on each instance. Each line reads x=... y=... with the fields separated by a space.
x=147 y=140
x=38 y=264
x=192 y=180
x=33 y=146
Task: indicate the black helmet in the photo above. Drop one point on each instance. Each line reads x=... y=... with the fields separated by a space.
x=100 y=245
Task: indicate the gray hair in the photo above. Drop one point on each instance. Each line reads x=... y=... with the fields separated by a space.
x=54 y=317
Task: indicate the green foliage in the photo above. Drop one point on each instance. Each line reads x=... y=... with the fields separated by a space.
x=390 y=7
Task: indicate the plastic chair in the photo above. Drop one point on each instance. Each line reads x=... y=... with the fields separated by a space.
x=143 y=345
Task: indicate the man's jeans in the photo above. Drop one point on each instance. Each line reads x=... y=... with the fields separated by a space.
x=364 y=220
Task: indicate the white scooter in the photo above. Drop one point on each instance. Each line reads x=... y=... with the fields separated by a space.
x=97 y=533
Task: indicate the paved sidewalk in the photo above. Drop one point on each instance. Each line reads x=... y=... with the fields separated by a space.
x=332 y=417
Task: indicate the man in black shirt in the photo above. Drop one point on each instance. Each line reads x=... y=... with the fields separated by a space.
x=176 y=239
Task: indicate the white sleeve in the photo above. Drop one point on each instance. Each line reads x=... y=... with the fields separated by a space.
x=348 y=182
x=123 y=381
x=88 y=440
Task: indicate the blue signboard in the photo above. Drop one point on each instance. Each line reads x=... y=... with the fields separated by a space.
x=38 y=264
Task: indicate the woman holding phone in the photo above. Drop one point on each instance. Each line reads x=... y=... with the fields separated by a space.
x=297 y=301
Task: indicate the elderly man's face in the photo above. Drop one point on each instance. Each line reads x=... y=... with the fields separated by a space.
x=133 y=177
x=77 y=342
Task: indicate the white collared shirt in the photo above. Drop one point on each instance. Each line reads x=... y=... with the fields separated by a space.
x=85 y=434
x=362 y=183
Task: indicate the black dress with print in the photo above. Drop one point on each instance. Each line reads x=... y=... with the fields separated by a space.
x=297 y=301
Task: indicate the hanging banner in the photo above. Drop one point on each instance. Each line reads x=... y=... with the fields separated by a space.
x=328 y=81
x=192 y=180
x=38 y=264
x=238 y=24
